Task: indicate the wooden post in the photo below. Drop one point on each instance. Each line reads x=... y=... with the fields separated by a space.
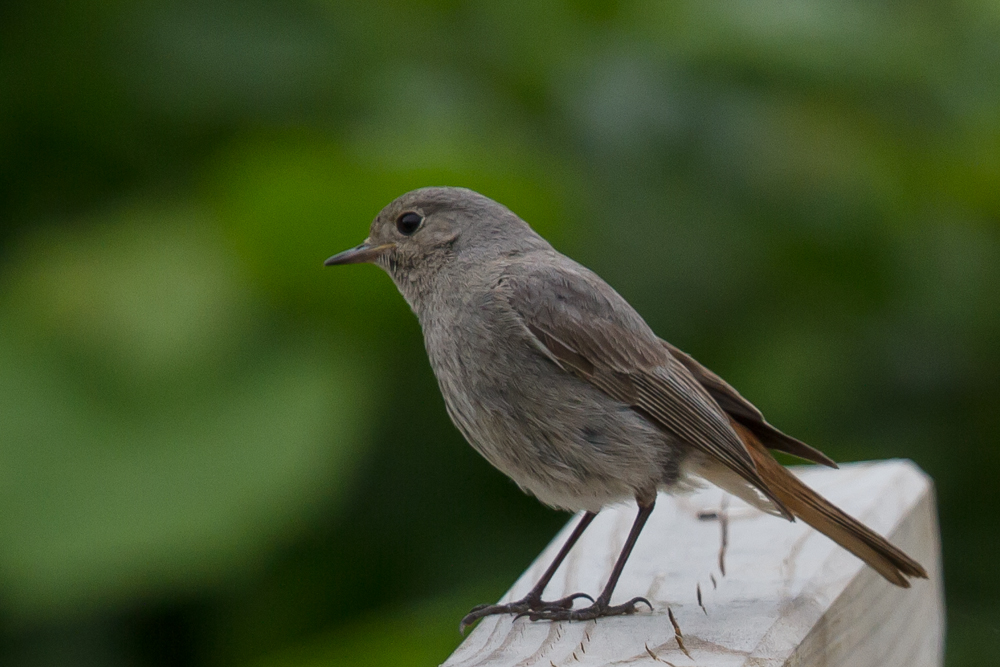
x=777 y=593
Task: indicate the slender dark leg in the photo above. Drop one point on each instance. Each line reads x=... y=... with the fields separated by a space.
x=533 y=600
x=602 y=606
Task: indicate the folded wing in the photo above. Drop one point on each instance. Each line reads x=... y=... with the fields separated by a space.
x=587 y=329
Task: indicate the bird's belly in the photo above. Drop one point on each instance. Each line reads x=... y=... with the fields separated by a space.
x=559 y=438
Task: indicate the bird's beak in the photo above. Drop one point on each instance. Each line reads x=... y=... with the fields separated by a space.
x=362 y=253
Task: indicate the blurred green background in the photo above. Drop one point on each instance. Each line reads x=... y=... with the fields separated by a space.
x=213 y=452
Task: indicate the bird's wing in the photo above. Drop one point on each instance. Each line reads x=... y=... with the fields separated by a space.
x=745 y=412
x=588 y=329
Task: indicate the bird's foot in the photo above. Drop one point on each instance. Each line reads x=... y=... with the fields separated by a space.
x=599 y=609
x=529 y=605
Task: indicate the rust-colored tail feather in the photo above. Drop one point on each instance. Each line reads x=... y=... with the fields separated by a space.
x=828 y=519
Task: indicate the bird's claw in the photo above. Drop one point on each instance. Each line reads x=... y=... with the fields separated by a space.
x=525 y=607
x=596 y=610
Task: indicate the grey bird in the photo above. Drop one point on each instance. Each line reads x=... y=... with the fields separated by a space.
x=559 y=383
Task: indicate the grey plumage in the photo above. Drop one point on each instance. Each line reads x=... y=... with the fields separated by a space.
x=558 y=382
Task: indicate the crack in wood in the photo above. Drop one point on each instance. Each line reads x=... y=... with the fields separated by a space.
x=724 y=526
x=656 y=657
x=678 y=635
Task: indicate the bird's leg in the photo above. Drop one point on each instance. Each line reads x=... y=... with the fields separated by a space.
x=533 y=600
x=602 y=605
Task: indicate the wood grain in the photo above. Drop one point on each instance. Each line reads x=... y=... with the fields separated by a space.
x=789 y=596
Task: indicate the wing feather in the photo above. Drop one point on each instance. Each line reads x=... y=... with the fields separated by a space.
x=746 y=413
x=587 y=329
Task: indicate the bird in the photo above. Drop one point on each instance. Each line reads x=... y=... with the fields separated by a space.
x=557 y=381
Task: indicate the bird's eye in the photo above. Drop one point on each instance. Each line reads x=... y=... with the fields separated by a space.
x=408 y=223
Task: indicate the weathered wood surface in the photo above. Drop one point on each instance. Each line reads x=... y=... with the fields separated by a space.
x=788 y=596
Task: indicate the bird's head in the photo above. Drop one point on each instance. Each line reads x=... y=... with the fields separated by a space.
x=425 y=230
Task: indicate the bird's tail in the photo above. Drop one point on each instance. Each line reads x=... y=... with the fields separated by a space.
x=821 y=514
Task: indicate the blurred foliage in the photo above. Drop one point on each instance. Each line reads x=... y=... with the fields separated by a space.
x=143 y=405
x=213 y=452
